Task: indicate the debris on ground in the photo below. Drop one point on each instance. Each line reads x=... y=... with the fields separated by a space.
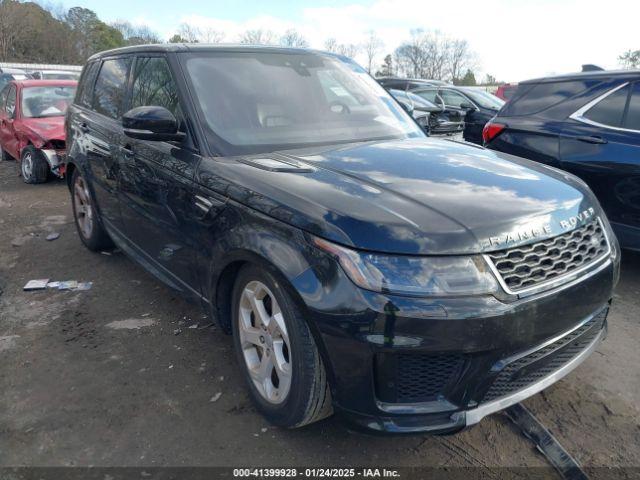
x=20 y=240
x=39 y=284
x=104 y=252
x=177 y=331
x=68 y=285
x=216 y=397
x=84 y=286
x=206 y=326
x=52 y=236
x=131 y=323
x=195 y=325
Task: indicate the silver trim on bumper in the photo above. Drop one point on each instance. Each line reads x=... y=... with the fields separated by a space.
x=475 y=415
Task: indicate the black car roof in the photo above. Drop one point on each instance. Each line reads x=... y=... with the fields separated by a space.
x=600 y=74
x=194 y=47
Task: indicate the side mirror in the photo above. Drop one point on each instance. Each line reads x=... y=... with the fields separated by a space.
x=406 y=107
x=151 y=123
x=467 y=106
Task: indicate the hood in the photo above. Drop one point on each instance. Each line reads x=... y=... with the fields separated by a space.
x=420 y=196
x=47 y=128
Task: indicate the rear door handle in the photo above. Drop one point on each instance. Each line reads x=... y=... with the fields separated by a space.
x=592 y=139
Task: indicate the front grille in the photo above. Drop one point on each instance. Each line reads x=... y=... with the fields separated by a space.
x=536 y=263
x=531 y=368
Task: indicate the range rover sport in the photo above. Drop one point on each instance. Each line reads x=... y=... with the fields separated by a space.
x=409 y=284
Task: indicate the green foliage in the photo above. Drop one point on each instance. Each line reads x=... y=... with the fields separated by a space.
x=32 y=33
x=468 y=80
x=630 y=59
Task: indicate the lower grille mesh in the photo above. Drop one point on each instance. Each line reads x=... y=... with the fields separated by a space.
x=552 y=357
x=422 y=378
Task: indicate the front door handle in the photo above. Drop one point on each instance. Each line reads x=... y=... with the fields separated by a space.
x=592 y=139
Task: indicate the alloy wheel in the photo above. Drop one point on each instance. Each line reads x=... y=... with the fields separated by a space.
x=27 y=165
x=84 y=211
x=265 y=342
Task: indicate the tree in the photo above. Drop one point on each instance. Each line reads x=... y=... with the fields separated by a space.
x=387 y=69
x=346 y=49
x=188 y=33
x=430 y=54
x=211 y=35
x=630 y=59
x=177 y=39
x=258 y=37
x=136 y=34
x=90 y=34
x=489 y=80
x=292 y=38
x=468 y=80
x=372 y=47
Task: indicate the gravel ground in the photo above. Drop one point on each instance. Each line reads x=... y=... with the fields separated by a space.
x=99 y=377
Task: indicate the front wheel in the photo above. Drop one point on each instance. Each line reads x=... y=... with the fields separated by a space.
x=33 y=166
x=277 y=353
x=85 y=215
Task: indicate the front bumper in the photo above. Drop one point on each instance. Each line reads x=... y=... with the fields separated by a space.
x=57 y=161
x=409 y=365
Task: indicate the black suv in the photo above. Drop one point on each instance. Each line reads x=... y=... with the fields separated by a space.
x=411 y=284
x=587 y=123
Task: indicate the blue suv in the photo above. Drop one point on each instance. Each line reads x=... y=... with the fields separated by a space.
x=587 y=124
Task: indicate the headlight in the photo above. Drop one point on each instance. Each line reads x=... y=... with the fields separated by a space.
x=410 y=275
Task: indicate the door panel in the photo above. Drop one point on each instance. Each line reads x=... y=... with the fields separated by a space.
x=7 y=124
x=608 y=161
x=156 y=182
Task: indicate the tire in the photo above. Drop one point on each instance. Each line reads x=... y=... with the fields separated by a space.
x=4 y=154
x=86 y=216
x=302 y=398
x=33 y=166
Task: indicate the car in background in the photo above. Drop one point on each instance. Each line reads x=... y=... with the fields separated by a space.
x=434 y=119
x=32 y=126
x=588 y=124
x=55 y=75
x=475 y=105
x=8 y=74
x=506 y=91
x=408 y=83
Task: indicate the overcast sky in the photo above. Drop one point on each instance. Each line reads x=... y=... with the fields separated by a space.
x=513 y=39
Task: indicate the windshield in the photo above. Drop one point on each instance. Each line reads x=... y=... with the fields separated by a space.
x=485 y=99
x=46 y=101
x=257 y=102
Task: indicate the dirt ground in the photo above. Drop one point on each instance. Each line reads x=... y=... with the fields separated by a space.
x=101 y=378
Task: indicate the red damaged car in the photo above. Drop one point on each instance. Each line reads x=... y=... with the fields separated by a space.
x=32 y=126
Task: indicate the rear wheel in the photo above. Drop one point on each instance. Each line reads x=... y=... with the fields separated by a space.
x=277 y=353
x=86 y=216
x=33 y=166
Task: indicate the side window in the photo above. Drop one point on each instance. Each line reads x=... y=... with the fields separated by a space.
x=452 y=98
x=610 y=109
x=10 y=105
x=3 y=97
x=111 y=87
x=85 y=92
x=533 y=98
x=154 y=85
x=633 y=113
x=430 y=95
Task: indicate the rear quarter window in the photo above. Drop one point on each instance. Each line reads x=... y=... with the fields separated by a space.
x=111 y=86
x=533 y=98
x=85 y=89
